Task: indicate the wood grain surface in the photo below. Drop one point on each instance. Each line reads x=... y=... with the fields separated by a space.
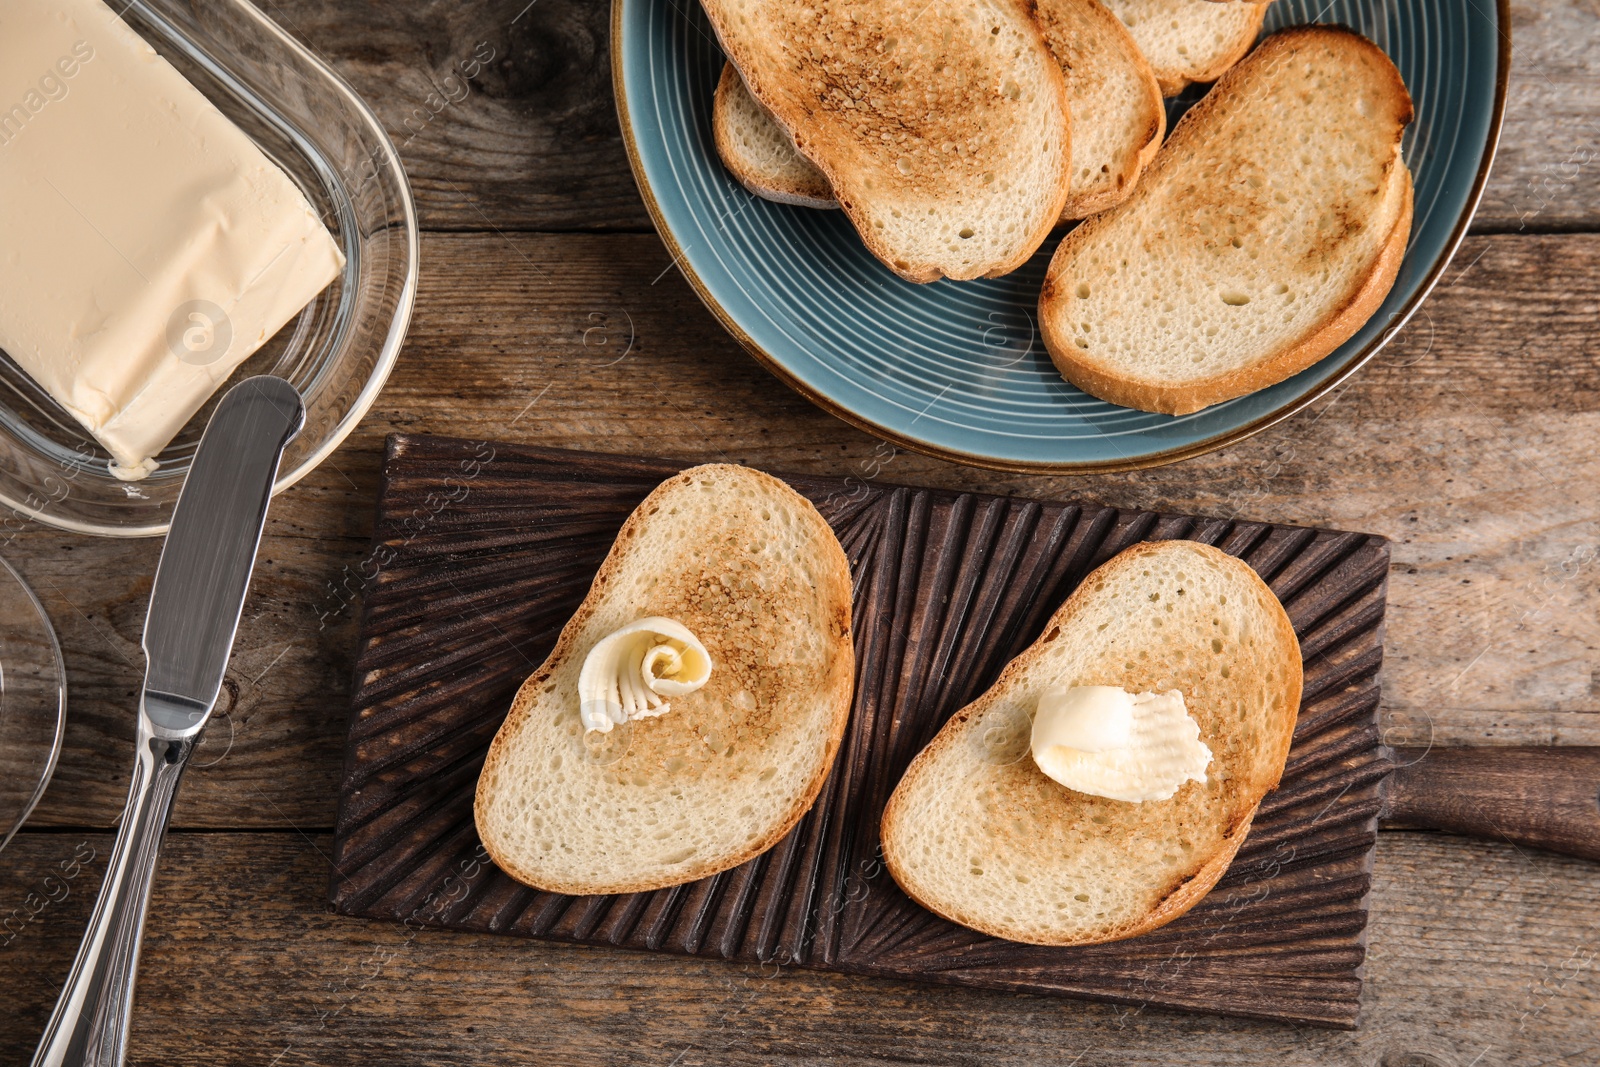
x=1543 y=797
x=1473 y=444
x=1499 y=969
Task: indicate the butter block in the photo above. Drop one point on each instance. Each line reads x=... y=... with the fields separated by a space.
x=147 y=245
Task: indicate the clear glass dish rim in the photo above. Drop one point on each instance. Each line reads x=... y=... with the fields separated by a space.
x=393 y=340
x=6 y=834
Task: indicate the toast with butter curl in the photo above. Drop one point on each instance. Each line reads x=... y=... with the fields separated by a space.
x=975 y=832
x=756 y=574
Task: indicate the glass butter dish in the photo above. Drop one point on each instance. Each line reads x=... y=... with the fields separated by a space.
x=337 y=352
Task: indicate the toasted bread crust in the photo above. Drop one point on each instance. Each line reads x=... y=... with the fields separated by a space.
x=853 y=192
x=1188 y=889
x=1212 y=39
x=1184 y=895
x=802 y=189
x=1174 y=81
x=1067 y=25
x=1338 y=327
x=1335 y=327
x=1082 y=207
x=1151 y=125
x=837 y=691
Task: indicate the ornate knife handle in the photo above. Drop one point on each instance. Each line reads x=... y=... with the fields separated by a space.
x=89 y=1027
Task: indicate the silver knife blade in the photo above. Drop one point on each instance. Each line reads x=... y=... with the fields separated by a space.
x=195 y=605
x=210 y=551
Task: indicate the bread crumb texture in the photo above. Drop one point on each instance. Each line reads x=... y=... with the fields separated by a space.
x=979 y=834
x=942 y=126
x=1260 y=222
x=1117 y=115
x=758 y=152
x=751 y=569
x=1190 y=40
x=1117 y=118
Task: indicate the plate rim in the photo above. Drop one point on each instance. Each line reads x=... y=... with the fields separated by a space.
x=1219 y=441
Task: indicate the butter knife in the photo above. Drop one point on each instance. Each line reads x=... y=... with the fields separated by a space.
x=195 y=605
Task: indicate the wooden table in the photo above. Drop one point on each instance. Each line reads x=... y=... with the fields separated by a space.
x=547 y=314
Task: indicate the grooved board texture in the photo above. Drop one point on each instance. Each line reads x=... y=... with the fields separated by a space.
x=482 y=551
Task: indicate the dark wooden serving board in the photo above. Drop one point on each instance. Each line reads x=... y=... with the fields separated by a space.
x=482 y=550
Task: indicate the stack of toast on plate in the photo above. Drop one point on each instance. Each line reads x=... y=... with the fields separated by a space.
x=957 y=136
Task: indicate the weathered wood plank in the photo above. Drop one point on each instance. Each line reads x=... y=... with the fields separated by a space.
x=1471 y=444
x=1478 y=955
x=501 y=109
x=531 y=141
x=1547 y=174
x=1538 y=796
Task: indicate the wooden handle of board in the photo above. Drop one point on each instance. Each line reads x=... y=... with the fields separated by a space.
x=1547 y=797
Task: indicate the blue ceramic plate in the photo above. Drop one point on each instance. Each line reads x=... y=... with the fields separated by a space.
x=956 y=369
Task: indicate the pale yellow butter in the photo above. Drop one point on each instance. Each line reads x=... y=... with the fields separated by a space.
x=147 y=246
x=628 y=673
x=1108 y=742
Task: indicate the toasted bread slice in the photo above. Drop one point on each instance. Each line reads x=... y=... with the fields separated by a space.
x=978 y=834
x=1268 y=230
x=751 y=568
x=1190 y=40
x=942 y=126
x=1117 y=117
x=757 y=151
